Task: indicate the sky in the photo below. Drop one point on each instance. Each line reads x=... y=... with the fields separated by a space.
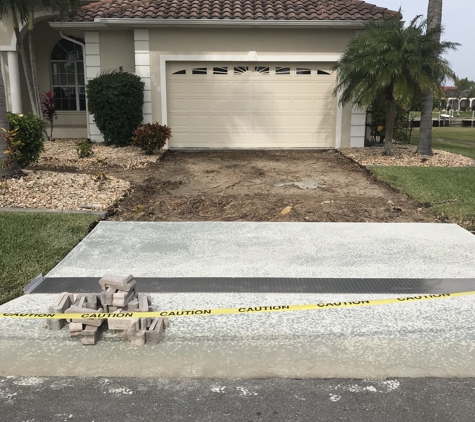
x=457 y=18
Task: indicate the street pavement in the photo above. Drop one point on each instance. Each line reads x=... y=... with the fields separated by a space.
x=92 y=399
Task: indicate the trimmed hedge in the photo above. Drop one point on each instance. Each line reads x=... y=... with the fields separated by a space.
x=116 y=100
x=30 y=132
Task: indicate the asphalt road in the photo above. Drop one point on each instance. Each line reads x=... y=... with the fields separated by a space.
x=34 y=399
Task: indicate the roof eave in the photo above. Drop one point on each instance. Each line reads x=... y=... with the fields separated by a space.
x=110 y=23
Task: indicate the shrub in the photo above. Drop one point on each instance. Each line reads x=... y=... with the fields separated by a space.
x=84 y=149
x=463 y=108
x=48 y=107
x=30 y=132
x=116 y=100
x=150 y=137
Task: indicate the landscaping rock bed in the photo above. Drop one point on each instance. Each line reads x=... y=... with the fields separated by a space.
x=63 y=154
x=405 y=155
x=54 y=190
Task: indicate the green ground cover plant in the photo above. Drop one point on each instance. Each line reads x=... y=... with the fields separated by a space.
x=459 y=140
x=35 y=243
x=450 y=192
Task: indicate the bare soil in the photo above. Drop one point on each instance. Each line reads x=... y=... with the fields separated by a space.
x=261 y=186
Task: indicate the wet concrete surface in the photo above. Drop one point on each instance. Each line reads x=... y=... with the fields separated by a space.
x=99 y=399
x=404 y=339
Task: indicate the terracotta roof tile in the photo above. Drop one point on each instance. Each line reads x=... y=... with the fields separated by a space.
x=233 y=9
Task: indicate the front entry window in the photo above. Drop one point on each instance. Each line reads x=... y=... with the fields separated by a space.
x=67 y=76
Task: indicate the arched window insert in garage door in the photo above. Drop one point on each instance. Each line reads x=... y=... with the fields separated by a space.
x=261 y=70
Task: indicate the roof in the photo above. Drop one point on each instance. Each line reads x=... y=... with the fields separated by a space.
x=270 y=10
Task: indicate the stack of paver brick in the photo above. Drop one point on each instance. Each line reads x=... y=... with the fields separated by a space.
x=118 y=295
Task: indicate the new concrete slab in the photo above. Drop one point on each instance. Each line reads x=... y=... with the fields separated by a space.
x=408 y=339
x=220 y=249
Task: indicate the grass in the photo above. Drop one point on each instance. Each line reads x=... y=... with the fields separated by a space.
x=435 y=114
x=459 y=140
x=449 y=191
x=33 y=244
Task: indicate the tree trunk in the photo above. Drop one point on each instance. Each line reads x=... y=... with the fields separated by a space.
x=434 y=20
x=12 y=169
x=390 y=117
x=26 y=67
x=34 y=72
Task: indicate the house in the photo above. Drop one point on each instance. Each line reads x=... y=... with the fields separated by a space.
x=221 y=73
x=457 y=100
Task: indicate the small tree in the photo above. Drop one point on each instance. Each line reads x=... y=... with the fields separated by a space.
x=393 y=61
x=116 y=100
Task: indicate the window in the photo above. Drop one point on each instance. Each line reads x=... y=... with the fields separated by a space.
x=67 y=76
x=263 y=70
x=303 y=71
x=220 y=70
x=322 y=72
x=239 y=70
x=282 y=70
x=180 y=72
x=199 y=71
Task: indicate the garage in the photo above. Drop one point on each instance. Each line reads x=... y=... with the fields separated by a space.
x=251 y=105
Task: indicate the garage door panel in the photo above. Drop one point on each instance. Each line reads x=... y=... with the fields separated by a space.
x=247 y=109
x=303 y=139
x=224 y=120
x=324 y=121
x=282 y=88
x=324 y=88
x=324 y=104
x=179 y=121
x=301 y=104
x=284 y=104
x=282 y=138
x=179 y=88
x=197 y=104
x=221 y=105
x=198 y=88
x=262 y=87
x=262 y=105
x=261 y=139
x=302 y=121
x=306 y=88
x=178 y=104
x=280 y=121
x=241 y=88
x=241 y=122
x=262 y=121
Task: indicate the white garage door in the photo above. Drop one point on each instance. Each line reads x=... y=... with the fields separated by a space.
x=249 y=105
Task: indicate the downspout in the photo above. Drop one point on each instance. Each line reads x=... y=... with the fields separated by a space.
x=85 y=76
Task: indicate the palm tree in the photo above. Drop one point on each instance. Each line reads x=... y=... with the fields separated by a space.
x=434 y=22
x=391 y=61
x=22 y=11
x=19 y=11
x=12 y=169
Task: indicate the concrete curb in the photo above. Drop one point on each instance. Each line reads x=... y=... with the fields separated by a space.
x=100 y=214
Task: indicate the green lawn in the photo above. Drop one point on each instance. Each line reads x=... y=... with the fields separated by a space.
x=449 y=191
x=33 y=244
x=459 y=140
x=435 y=114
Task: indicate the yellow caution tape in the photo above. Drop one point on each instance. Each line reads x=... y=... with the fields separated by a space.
x=243 y=310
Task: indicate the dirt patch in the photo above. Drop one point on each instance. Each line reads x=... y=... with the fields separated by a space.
x=257 y=186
